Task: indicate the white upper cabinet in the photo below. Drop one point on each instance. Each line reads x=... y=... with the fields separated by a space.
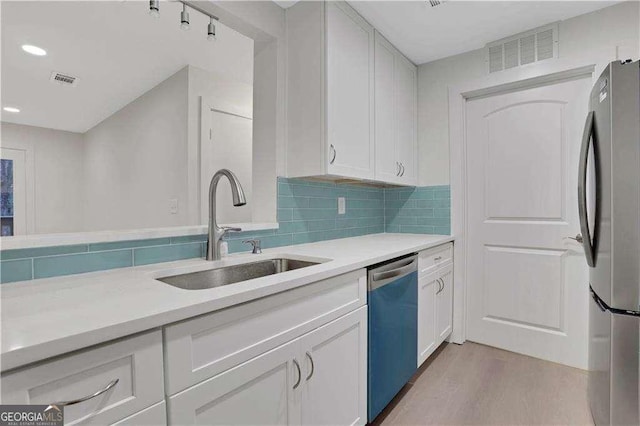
x=330 y=128
x=396 y=147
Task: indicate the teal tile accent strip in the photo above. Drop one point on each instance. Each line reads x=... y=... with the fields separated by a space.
x=421 y=210
x=307 y=212
x=53 y=266
x=116 y=245
x=42 y=251
x=16 y=270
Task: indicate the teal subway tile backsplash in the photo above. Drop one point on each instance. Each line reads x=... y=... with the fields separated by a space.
x=16 y=270
x=168 y=253
x=42 y=251
x=129 y=244
x=420 y=210
x=53 y=266
x=307 y=212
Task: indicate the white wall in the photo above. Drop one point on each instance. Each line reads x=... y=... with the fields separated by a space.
x=613 y=31
x=54 y=176
x=136 y=161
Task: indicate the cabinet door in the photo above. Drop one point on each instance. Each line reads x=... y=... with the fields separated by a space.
x=406 y=119
x=259 y=391
x=349 y=81
x=444 y=304
x=427 y=342
x=335 y=372
x=387 y=165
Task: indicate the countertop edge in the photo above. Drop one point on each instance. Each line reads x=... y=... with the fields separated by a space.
x=23 y=356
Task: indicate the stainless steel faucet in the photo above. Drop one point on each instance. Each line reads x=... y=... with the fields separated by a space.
x=216 y=232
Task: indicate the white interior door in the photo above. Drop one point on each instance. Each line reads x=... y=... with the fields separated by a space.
x=527 y=282
x=227 y=143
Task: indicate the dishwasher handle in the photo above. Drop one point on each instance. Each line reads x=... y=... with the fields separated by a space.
x=399 y=269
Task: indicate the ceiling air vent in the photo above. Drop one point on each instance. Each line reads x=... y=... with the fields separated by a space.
x=521 y=49
x=64 y=79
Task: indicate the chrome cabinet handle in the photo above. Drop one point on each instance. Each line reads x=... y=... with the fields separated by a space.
x=313 y=367
x=299 y=374
x=437 y=258
x=88 y=397
x=440 y=286
x=397 y=168
x=333 y=150
x=402 y=166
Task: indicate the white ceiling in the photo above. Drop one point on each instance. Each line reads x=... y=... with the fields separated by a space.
x=115 y=48
x=424 y=33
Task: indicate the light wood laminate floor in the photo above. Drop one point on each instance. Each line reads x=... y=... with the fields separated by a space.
x=473 y=384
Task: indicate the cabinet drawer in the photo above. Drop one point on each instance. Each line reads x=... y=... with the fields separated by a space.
x=156 y=415
x=200 y=348
x=136 y=364
x=429 y=260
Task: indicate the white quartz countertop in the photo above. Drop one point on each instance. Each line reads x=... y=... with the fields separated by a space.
x=48 y=317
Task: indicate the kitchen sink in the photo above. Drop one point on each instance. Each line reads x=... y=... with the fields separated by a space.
x=234 y=274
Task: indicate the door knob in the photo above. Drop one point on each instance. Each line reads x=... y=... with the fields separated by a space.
x=577 y=238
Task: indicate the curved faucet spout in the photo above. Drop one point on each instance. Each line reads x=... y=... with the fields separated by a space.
x=236 y=188
x=215 y=232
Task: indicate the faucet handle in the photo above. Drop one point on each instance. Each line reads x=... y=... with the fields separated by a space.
x=255 y=243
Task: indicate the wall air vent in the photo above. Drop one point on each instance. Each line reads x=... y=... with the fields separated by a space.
x=434 y=3
x=64 y=79
x=521 y=49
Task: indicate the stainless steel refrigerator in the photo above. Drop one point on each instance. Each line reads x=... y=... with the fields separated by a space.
x=609 y=207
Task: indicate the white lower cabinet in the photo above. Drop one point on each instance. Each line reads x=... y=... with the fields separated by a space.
x=101 y=385
x=444 y=304
x=318 y=378
x=427 y=287
x=335 y=363
x=259 y=391
x=156 y=415
x=435 y=303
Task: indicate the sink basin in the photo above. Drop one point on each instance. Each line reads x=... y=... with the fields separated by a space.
x=234 y=274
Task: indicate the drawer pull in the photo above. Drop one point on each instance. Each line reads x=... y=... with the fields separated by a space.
x=88 y=397
x=299 y=374
x=437 y=258
x=313 y=367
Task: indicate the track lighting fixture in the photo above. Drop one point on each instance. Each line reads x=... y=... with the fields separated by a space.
x=185 y=24
x=184 y=18
x=211 y=30
x=154 y=8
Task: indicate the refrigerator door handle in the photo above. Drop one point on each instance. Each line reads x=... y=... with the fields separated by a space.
x=596 y=299
x=587 y=242
x=603 y=306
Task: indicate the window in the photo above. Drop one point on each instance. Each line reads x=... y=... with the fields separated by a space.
x=6 y=197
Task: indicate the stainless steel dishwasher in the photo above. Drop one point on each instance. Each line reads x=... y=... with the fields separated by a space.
x=393 y=330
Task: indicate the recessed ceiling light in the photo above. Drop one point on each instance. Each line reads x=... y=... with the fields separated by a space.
x=11 y=109
x=34 y=50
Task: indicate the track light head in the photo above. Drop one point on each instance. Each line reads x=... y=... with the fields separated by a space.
x=211 y=30
x=154 y=8
x=184 y=18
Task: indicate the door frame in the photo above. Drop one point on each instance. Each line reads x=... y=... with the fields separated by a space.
x=549 y=72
